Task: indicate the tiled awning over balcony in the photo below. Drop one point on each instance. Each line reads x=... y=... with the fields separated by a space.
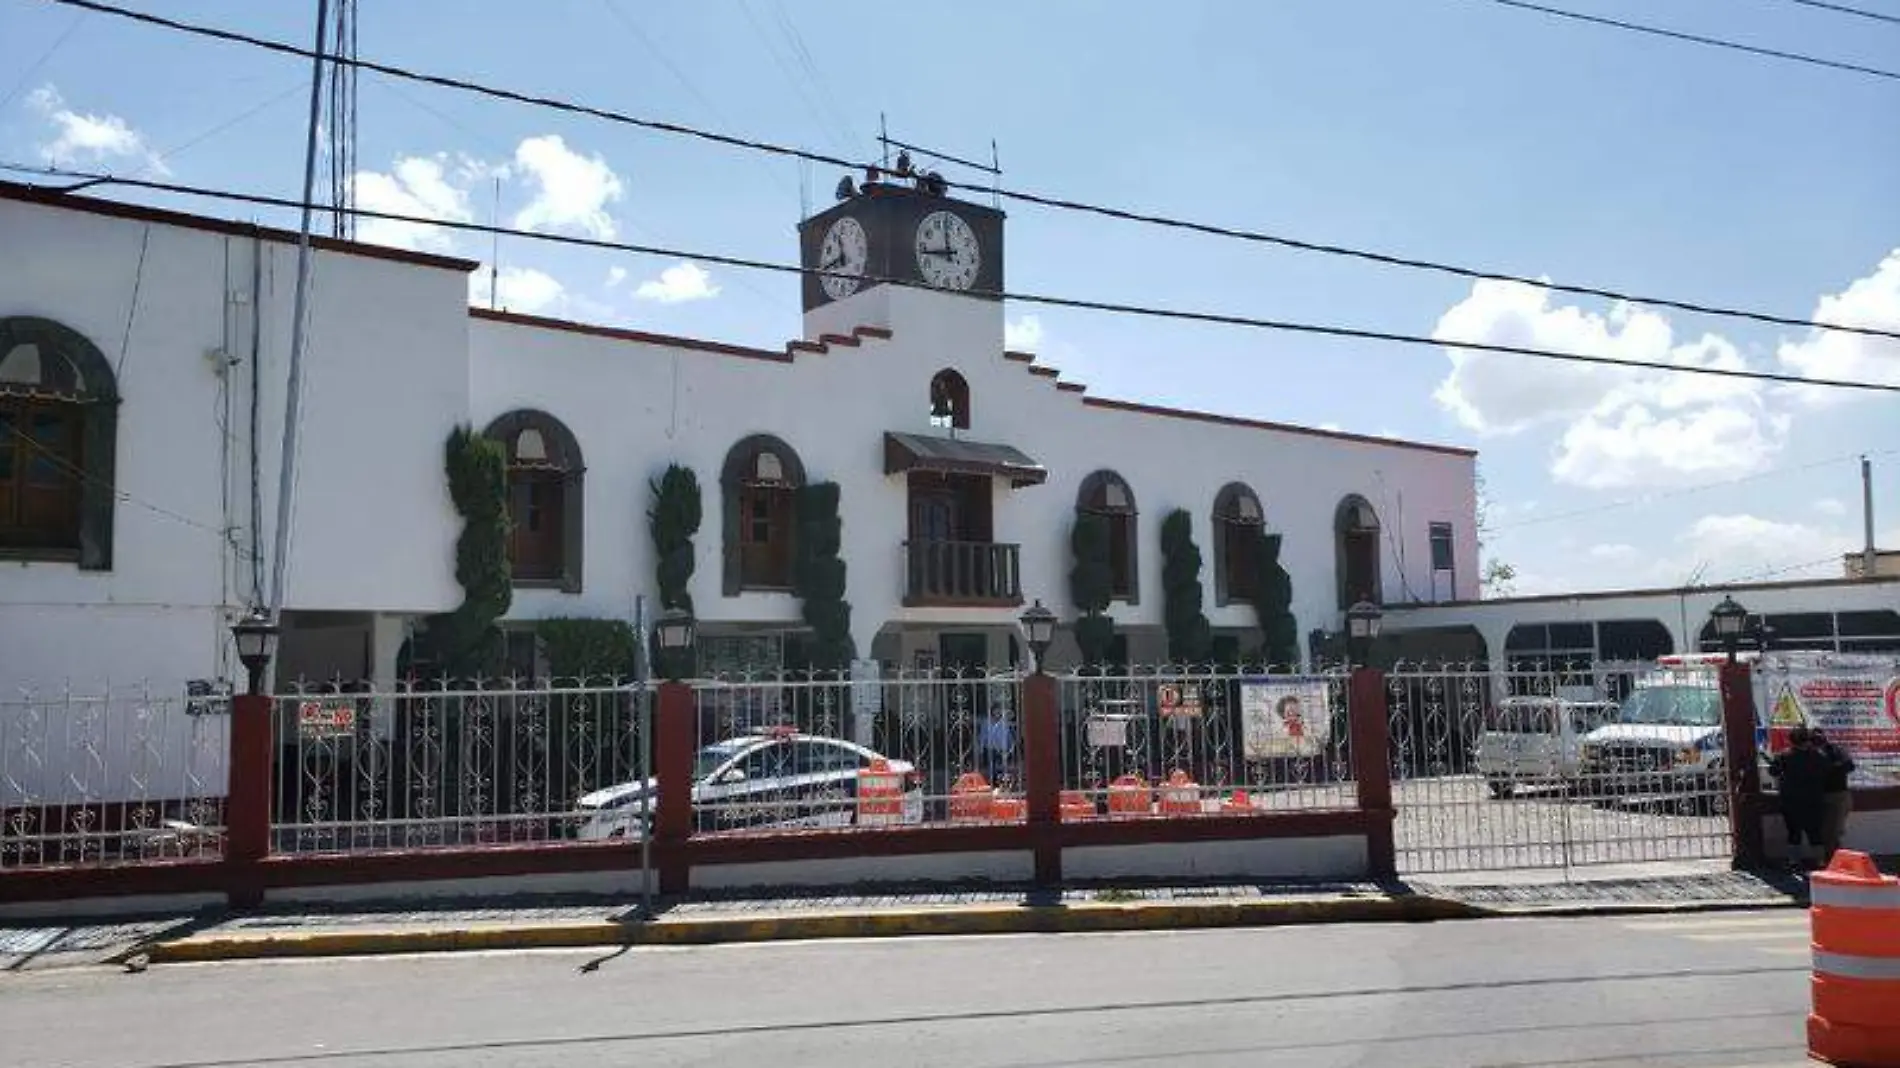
x=952 y=456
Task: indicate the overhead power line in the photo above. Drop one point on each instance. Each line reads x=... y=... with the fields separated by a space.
x=1685 y=491
x=1058 y=203
x=1695 y=38
x=1844 y=9
x=88 y=179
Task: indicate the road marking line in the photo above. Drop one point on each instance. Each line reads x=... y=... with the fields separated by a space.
x=1706 y=922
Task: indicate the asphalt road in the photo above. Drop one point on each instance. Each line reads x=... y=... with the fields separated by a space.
x=1454 y=824
x=1711 y=991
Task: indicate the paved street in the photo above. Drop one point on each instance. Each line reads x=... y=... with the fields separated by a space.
x=1454 y=824
x=1708 y=991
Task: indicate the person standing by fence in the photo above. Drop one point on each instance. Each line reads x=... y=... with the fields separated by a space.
x=1801 y=776
x=994 y=744
x=1837 y=798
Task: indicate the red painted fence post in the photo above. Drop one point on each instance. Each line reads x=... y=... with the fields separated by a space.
x=1744 y=767
x=1371 y=733
x=247 y=802
x=675 y=729
x=1042 y=772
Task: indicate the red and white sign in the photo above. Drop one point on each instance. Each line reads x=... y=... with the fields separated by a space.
x=1178 y=700
x=318 y=720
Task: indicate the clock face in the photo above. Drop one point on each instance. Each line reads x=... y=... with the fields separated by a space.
x=947 y=252
x=843 y=257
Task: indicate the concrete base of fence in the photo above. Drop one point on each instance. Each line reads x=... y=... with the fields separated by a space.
x=953 y=920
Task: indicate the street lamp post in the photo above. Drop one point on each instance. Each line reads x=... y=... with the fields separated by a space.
x=1362 y=628
x=1039 y=627
x=675 y=630
x=1730 y=620
x=256 y=639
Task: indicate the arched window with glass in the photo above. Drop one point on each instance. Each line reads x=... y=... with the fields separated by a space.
x=59 y=403
x=545 y=499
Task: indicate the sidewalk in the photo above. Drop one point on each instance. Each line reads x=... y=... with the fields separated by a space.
x=524 y=923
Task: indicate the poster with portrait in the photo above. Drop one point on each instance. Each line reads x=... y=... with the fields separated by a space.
x=1282 y=718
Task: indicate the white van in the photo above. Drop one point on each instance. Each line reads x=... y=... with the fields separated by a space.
x=1537 y=741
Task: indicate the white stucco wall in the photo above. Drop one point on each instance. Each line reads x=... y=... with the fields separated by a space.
x=636 y=406
x=1682 y=612
x=386 y=380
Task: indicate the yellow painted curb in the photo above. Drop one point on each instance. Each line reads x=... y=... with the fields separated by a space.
x=972 y=920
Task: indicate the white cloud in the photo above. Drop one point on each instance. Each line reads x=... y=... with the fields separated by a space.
x=81 y=137
x=1829 y=506
x=678 y=284
x=419 y=186
x=1622 y=427
x=615 y=276
x=571 y=191
x=1871 y=301
x=1023 y=335
x=517 y=289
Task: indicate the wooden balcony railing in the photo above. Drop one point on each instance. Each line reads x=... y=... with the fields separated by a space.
x=968 y=573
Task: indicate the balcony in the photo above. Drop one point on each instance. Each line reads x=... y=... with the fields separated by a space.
x=962 y=574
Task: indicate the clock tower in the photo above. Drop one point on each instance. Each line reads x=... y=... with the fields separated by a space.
x=884 y=232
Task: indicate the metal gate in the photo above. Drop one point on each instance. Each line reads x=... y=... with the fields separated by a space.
x=1554 y=768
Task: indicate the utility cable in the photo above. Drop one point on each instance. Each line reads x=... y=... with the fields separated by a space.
x=1692 y=38
x=1844 y=9
x=1685 y=491
x=1041 y=200
x=1138 y=310
x=35 y=450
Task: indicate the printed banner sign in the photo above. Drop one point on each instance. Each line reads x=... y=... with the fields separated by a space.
x=1857 y=704
x=1284 y=718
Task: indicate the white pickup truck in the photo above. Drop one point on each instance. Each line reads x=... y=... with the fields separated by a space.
x=1666 y=743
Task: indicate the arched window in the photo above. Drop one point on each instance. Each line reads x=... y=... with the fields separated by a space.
x=1238 y=524
x=758 y=483
x=949 y=400
x=1104 y=493
x=1356 y=536
x=59 y=408
x=544 y=499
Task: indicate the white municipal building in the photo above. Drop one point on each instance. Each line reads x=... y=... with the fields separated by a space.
x=143 y=361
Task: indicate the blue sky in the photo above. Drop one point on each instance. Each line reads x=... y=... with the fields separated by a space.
x=1449 y=129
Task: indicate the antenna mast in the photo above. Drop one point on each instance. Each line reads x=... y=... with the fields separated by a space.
x=339 y=118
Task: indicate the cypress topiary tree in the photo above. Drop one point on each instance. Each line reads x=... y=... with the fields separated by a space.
x=818 y=576
x=1273 y=604
x=1091 y=586
x=673 y=520
x=467 y=642
x=1190 y=638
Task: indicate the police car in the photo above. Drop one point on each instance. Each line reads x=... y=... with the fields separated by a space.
x=777 y=777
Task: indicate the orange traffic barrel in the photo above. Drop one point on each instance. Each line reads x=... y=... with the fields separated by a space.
x=880 y=794
x=1854 y=913
x=1128 y=795
x=971 y=798
x=1180 y=795
x=1238 y=803
x=1076 y=805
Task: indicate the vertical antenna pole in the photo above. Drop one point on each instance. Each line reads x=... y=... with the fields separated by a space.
x=884 y=142
x=293 y=388
x=996 y=177
x=1870 y=555
x=494 y=255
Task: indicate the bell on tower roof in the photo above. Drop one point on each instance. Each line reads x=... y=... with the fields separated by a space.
x=845 y=189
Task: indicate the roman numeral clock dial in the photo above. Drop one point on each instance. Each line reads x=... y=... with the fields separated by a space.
x=947 y=252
